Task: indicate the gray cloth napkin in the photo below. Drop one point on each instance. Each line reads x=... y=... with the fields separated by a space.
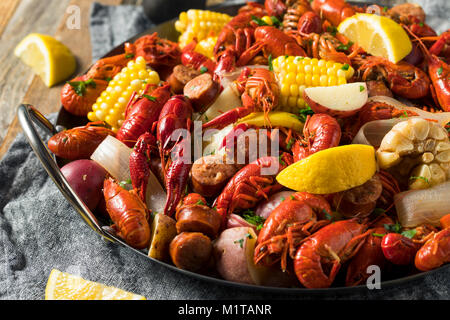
x=40 y=231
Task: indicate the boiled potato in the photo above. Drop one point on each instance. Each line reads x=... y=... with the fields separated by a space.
x=163 y=232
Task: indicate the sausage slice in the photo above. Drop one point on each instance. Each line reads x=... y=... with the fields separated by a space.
x=190 y=250
x=202 y=91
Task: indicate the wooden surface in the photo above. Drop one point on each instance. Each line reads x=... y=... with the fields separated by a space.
x=17 y=82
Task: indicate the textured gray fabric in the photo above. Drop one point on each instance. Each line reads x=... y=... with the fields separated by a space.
x=40 y=231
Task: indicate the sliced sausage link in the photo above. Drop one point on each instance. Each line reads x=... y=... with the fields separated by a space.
x=190 y=251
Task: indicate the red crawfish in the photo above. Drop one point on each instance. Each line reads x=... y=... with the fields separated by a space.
x=435 y=252
x=250 y=184
x=259 y=92
x=335 y=11
x=140 y=162
x=196 y=60
x=107 y=68
x=79 y=142
x=399 y=249
x=320 y=132
x=291 y=221
x=79 y=94
x=271 y=41
x=403 y=78
x=128 y=213
x=173 y=133
x=328 y=249
x=142 y=112
x=369 y=254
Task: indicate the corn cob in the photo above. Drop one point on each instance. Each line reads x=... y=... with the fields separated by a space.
x=110 y=105
x=206 y=47
x=294 y=74
x=200 y=24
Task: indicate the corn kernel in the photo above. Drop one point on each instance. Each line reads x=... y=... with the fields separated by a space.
x=323 y=80
x=342 y=80
x=294 y=90
x=332 y=81
x=292 y=101
x=300 y=78
x=285 y=90
x=308 y=79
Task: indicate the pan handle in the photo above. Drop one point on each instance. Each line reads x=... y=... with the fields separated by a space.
x=28 y=115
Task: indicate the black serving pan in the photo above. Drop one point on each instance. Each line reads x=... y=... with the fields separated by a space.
x=29 y=116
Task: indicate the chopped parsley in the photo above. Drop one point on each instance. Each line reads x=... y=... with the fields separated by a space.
x=439 y=71
x=290 y=143
x=419 y=177
x=251 y=217
x=281 y=160
x=404 y=115
x=345 y=47
x=248 y=235
x=122 y=184
x=381 y=235
x=80 y=86
x=421 y=24
x=259 y=21
x=327 y=215
x=200 y=202
x=275 y=21
x=270 y=60
x=303 y=113
x=203 y=70
x=385 y=9
x=129 y=55
x=409 y=233
x=292 y=197
x=240 y=241
x=345 y=67
x=395 y=228
x=378 y=211
x=332 y=30
x=108 y=79
x=361 y=88
x=149 y=97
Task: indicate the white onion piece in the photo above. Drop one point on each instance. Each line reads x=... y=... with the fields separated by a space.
x=266 y=207
x=216 y=140
x=228 y=99
x=416 y=207
x=442 y=117
x=372 y=133
x=227 y=77
x=114 y=156
x=155 y=196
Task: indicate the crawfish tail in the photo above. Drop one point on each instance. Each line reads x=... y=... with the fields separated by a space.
x=176 y=182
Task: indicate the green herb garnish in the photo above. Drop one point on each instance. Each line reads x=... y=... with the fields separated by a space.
x=251 y=217
x=385 y=9
x=361 y=88
x=248 y=235
x=80 y=86
x=203 y=70
x=129 y=55
x=240 y=241
x=200 y=202
x=275 y=21
x=395 y=228
x=378 y=211
x=409 y=233
x=149 y=97
x=333 y=30
x=122 y=184
x=259 y=21
x=439 y=71
x=303 y=113
x=290 y=143
x=270 y=60
x=419 y=177
x=381 y=235
x=345 y=67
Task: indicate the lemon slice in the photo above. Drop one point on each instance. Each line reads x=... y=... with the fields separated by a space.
x=378 y=35
x=48 y=57
x=331 y=170
x=65 y=286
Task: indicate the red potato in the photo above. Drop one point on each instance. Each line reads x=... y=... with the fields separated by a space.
x=340 y=101
x=233 y=252
x=266 y=207
x=86 y=178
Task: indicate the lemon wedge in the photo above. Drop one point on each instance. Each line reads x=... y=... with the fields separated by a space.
x=331 y=170
x=276 y=118
x=48 y=57
x=378 y=35
x=65 y=286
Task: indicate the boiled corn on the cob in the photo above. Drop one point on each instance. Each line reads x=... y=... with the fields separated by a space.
x=200 y=24
x=294 y=74
x=110 y=105
x=206 y=47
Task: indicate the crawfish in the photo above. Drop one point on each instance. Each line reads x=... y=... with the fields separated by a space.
x=174 y=121
x=259 y=91
x=435 y=252
x=142 y=112
x=196 y=60
x=139 y=163
x=157 y=52
x=328 y=249
x=107 y=68
x=79 y=142
x=250 y=184
x=79 y=94
x=291 y=221
x=293 y=14
x=403 y=78
x=335 y=11
x=369 y=254
x=128 y=213
x=271 y=41
x=320 y=132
